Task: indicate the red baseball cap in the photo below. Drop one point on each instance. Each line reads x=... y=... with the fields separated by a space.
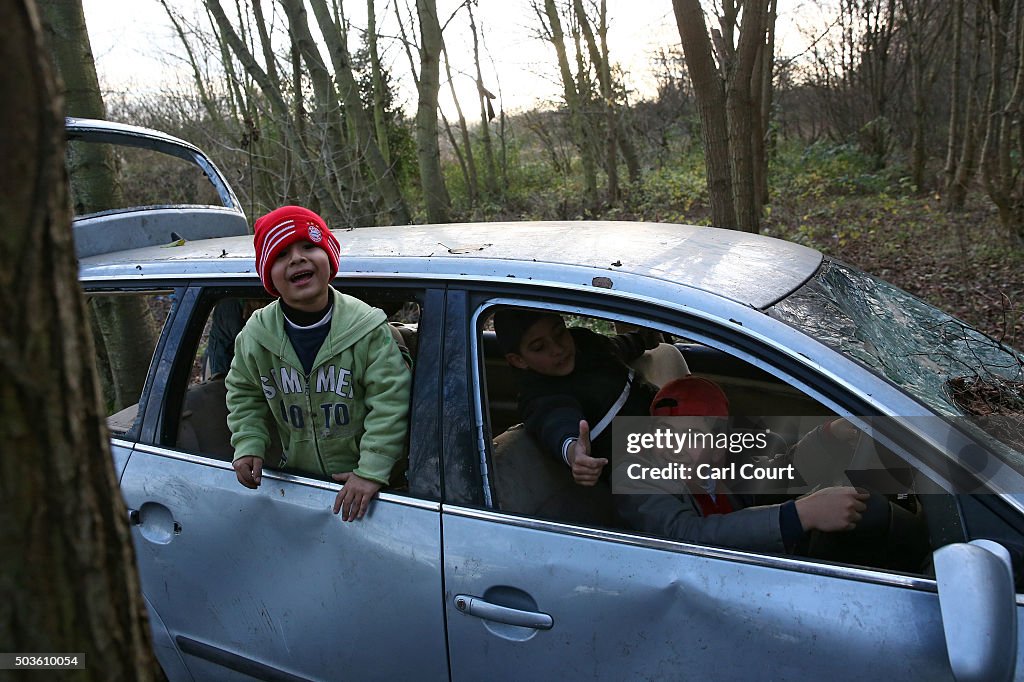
x=690 y=397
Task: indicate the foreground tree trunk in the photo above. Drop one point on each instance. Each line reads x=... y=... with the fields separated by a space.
x=67 y=571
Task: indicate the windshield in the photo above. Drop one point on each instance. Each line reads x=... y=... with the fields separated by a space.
x=940 y=360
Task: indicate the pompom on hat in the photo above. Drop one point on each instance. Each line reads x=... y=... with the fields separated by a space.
x=281 y=228
x=690 y=397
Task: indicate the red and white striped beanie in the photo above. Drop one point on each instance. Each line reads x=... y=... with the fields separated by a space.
x=284 y=226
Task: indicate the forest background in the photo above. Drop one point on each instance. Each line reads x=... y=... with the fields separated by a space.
x=892 y=140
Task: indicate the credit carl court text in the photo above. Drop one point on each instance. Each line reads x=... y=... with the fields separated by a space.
x=783 y=456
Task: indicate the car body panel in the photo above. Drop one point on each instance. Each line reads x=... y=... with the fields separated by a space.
x=219 y=564
x=627 y=612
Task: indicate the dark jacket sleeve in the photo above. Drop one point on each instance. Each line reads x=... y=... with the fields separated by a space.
x=551 y=419
x=628 y=347
x=677 y=517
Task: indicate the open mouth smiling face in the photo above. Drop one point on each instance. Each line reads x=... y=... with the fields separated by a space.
x=302 y=276
x=301 y=273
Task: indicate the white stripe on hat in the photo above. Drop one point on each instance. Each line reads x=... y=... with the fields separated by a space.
x=275 y=236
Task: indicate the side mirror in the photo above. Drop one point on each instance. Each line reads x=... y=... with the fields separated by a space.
x=979 y=610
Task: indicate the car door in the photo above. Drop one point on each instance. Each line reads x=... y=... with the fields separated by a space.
x=269 y=583
x=534 y=598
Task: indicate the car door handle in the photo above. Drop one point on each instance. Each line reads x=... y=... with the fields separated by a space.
x=475 y=606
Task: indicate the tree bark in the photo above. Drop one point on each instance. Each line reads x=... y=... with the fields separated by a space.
x=741 y=112
x=710 y=92
x=573 y=100
x=97 y=188
x=435 y=193
x=67 y=570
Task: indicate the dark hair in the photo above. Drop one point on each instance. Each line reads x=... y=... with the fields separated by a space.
x=511 y=323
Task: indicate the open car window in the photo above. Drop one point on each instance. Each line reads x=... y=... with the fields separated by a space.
x=200 y=415
x=910 y=515
x=126 y=326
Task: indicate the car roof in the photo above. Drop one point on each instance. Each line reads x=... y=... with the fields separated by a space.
x=751 y=269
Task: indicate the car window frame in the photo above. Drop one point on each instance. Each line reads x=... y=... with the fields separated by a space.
x=202 y=295
x=143 y=429
x=715 y=335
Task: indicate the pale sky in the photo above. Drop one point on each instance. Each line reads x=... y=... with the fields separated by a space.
x=136 y=50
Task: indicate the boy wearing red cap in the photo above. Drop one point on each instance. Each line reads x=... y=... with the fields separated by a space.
x=713 y=515
x=322 y=364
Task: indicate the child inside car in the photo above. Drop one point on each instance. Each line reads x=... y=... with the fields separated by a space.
x=322 y=364
x=709 y=512
x=572 y=382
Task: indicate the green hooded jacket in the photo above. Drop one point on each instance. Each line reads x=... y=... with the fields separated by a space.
x=349 y=414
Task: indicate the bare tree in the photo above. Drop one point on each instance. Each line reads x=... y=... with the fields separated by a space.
x=925 y=25
x=962 y=146
x=574 y=92
x=486 y=112
x=709 y=89
x=67 y=570
x=435 y=193
x=467 y=161
x=1001 y=162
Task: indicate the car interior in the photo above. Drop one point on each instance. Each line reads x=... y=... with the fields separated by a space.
x=532 y=483
x=202 y=423
x=525 y=481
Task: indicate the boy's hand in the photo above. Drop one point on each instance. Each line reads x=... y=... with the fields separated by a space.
x=586 y=470
x=832 y=509
x=651 y=338
x=248 y=471
x=354 y=497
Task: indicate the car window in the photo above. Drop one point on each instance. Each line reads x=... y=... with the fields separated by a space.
x=147 y=178
x=201 y=413
x=126 y=327
x=529 y=480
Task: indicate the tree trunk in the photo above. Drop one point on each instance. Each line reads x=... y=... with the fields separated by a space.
x=763 y=86
x=486 y=114
x=435 y=194
x=466 y=156
x=572 y=100
x=953 y=131
x=379 y=124
x=967 y=163
x=289 y=123
x=366 y=142
x=741 y=113
x=97 y=188
x=1003 y=135
x=67 y=570
x=710 y=93
x=599 y=59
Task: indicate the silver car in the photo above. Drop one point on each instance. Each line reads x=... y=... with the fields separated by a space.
x=463 y=569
